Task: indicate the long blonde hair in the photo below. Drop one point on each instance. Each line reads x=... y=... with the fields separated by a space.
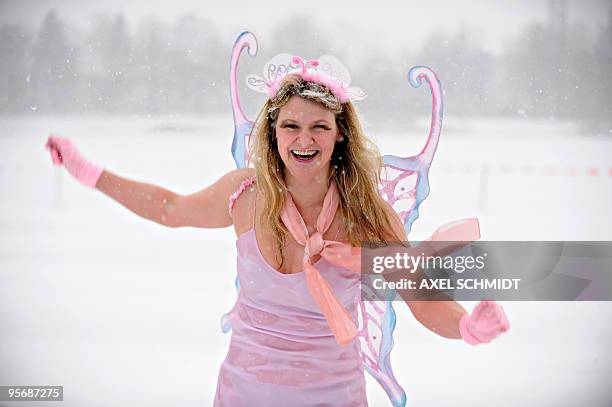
x=355 y=168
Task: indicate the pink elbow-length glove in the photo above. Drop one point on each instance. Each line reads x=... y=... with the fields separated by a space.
x=485 y=323
x=64 y=152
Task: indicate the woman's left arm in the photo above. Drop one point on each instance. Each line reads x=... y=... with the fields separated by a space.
x=448 y=318
x=441 y=317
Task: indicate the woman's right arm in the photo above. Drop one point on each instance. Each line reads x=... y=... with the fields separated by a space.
x=207 y=208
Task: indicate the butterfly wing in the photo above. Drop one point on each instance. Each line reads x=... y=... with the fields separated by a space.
x=376 y=325
x=405 y=180
x=226 y=319
x=242 y=125
x=242 y=132
x=404 y=184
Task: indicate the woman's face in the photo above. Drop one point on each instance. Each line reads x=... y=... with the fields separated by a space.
x=306 y=133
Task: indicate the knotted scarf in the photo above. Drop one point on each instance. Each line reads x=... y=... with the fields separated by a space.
x=341 y=254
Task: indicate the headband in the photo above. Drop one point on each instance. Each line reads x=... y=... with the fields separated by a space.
x=327 y=71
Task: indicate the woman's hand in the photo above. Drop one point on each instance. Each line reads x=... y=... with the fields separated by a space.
x=486 y=322
x=64 y=152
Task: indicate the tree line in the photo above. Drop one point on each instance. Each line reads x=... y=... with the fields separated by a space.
x=549 y=70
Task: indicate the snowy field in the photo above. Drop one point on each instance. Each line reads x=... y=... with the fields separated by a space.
x=124 y=312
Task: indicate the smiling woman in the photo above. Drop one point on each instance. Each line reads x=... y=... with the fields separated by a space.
x=307 y=135
x=300 y=216
x=305 y=139
x=298 y=229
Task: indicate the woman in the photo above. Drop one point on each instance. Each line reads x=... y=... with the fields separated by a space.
x=299 y=216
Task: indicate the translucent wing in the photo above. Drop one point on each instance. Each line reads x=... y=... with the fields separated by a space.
x=376 y=326
x=227 y=318
x=242 y=132
x=242 y=125
x=404 y=185
x=405 y=180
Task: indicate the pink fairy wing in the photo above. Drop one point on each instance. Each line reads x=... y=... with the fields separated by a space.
x=242 y=125
x=242 y=132
x=404 y=184
x=376 y=325
x=405 y=180
x=228 y=317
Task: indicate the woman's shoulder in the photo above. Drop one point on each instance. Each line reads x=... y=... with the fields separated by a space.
x=239 y=176
x=241 y=180
x=241 y=200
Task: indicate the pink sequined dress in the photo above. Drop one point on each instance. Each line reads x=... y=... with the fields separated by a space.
x=282 y=351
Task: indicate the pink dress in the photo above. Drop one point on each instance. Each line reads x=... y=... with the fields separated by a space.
x=282 y=351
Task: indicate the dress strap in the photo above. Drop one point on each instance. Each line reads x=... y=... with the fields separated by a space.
x=254 y=208
x=243 y=186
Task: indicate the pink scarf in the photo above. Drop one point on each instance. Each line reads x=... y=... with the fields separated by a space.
x=341 y=254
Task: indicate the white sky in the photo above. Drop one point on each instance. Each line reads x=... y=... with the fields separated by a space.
x=382 y=22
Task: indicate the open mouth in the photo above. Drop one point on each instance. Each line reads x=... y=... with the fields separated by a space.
x=304 y=156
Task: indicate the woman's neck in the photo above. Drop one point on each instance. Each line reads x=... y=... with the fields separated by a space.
x=308 y=193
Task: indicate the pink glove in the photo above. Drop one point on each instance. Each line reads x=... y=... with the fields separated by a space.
x=486 y=322
x=64 y=152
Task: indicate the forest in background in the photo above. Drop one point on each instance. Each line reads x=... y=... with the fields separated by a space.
x=553 y=70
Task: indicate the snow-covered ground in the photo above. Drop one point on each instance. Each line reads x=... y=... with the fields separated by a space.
x=124 y=312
